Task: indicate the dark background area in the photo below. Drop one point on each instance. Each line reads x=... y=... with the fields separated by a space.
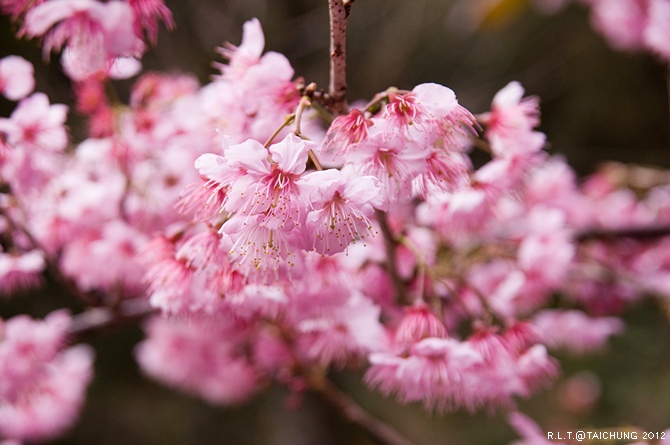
x=597 y=104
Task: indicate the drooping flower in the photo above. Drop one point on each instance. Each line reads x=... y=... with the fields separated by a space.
x=20 y=271
x=94 y=34
x=17 y=8
x=509 y=125
x=147 y=13
x=345 y=132
x=391 y=161
x=418 y=323
x=267 y=198
x=343 y=208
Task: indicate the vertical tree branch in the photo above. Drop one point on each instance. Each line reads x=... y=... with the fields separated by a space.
x=339 y=14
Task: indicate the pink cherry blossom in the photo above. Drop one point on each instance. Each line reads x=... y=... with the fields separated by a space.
x=35 y=124
x=621 y=21
x=200 y=358
x=20 y=271
x=17 y=8
x=418 y=323
x=147 y=13
x=387 y=158
x=17 y=78
x=93 y=33
x=657 y=32
x=575 y=331
x=345 y=132
x=343 y=209
x=42 y=384
x=348 y=332
x=509 y=125
x=404 y=259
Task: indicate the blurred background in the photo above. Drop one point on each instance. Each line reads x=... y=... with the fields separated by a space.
x=597 y=104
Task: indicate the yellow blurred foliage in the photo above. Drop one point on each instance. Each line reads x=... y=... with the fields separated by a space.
x=496 y=13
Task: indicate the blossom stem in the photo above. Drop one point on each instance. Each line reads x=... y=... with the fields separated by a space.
x=375 y=103
x=287 y=121
x=356 y=414
x=304 y=103
x=315 y=161
x=337 y=90
x=390 y=243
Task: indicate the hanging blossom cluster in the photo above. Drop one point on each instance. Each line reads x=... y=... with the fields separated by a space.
x=42 y=381
x=270 y=250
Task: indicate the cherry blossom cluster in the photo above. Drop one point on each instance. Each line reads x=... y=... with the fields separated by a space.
x=272 y=240
x=42 y=381
x=96 y=37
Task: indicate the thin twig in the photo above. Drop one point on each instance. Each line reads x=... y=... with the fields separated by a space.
x=315 y=160
x=304 y=103
x=99 y=318
x=337 y=90
x=354 y=413
x=645 y=233
x=288 y=120
x=390 y=243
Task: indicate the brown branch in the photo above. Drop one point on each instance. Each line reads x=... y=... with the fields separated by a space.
x=644 y=233
x=354 y=413
x=337 y=90
x=390 y=243
x=100 y=318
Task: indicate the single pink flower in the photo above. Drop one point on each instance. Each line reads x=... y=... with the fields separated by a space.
x=147 y=13
x=17 y=79
x=451 y=124
x=342 y=210
x=392 y=161
x=576 y=331
x=247 y=54
x=36 y=125
x=17 y=8
x=657 y=32
x=418 y=323
x=93 y=33
x=345 y=132
x=509 y=125
x=20 y=271
x=622 y=22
